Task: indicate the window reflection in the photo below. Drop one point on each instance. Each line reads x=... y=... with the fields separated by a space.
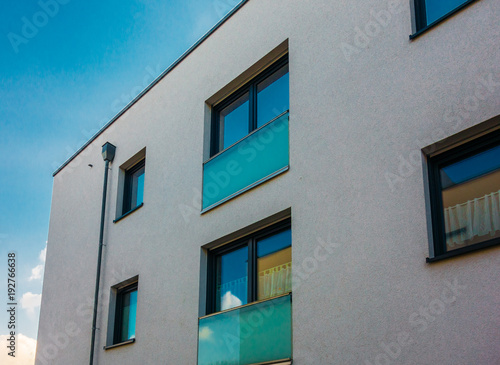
x=138 y=187
x=435 y=9
x=235 y=121
x=232 y=279
x=274 y=265
x=471 y=202
x=272 y=96
x=133 y=194
x=129 y=310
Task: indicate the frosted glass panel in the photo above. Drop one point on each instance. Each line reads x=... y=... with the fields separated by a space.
x=256 y=157
x=252 y=334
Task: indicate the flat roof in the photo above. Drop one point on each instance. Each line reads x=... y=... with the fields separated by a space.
x=153 y=83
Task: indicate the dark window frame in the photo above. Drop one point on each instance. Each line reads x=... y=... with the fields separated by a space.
x=128 y=186
x=437 y=162
x=119 y=311
x=421 y=16
x=216 y=145
x=249 y=241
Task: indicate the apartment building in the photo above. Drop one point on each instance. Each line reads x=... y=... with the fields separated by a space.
x=312 y=182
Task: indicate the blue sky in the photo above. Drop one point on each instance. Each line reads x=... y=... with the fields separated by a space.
x=66 y=68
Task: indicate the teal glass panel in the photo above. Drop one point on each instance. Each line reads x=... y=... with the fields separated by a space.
x=140 y=189
x=129 y=311
x=248 y=335
x=132 y=315
x=435 y=9
x=246 y=163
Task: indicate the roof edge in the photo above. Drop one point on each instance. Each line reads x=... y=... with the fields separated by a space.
x=153 y=83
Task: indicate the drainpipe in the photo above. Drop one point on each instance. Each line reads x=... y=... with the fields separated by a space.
x=108 y=153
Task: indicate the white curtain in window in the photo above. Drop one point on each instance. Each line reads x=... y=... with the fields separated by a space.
x=477 y=217
x=275 y=281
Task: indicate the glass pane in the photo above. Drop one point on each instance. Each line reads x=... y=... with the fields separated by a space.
x=129 y=309
x=232 y=279
x=246 y=164
x=234 y=121
x=132 y=315
x=138 y=187
x=470 y=191
x=249 y=335
x=274 y=265
x=272 y=96
x=435 y=9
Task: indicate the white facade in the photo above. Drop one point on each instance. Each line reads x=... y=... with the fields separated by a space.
x=364 y=102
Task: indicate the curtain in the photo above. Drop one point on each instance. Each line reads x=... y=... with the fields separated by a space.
x=275 y=281
x=476 y=217
x=272 y=282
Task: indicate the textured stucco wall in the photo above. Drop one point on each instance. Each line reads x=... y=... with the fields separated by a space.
x=360 y=106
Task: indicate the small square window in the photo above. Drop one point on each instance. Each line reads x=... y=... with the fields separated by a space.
x=133 y=192
x=429 y=12
x=252 y=106
x=125 y=314
x=257 y=267
x=465 y=196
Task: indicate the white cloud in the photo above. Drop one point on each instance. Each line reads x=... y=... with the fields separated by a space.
x=36 y=273
x=43 y=253
x=230 y=301
x=205 y=333
x=25 y=351
x=30 y=301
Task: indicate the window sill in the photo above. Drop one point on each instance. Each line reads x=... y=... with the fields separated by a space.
x=464 y=250
x=128 y=213
x=444 y=17
x=128 y=342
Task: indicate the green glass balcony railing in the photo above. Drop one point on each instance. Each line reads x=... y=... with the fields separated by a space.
x=258 y=157
x=252 y=334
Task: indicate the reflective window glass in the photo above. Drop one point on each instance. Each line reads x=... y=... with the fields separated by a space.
x=129 y=310
x=232 y=279
x=133 y=195
x=272 y=96
x=435 y=9
x=138 y=187
x=257 y=267
x=234 y=120
x=274 y=265
x=470 y=195
x=251 y=106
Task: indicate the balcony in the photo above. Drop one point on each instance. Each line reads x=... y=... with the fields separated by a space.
x=258 y=157
x=258 y=333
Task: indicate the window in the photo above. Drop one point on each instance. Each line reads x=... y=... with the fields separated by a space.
x=125 y=314
x=254 y=268
x=130 y=191
x=249 y=135
x=134 y=187
x=430 y=12
x=251 y=107
x=465 y=202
